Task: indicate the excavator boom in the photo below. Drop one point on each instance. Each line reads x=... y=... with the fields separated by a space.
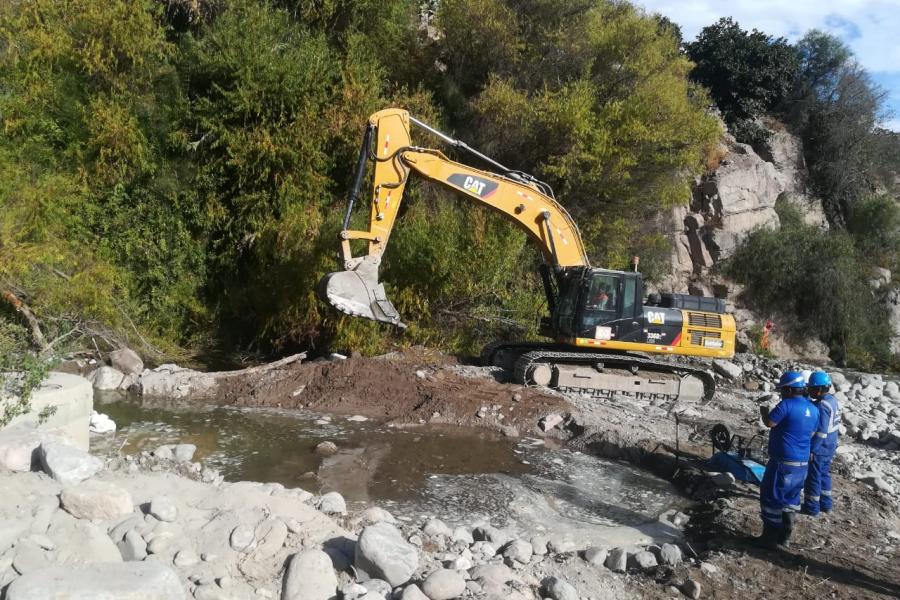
x=387 y=143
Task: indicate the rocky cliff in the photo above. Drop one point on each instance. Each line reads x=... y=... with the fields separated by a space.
x=726 y=205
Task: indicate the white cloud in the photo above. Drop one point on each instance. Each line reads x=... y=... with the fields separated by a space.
x=871 y=28
x=893 y=125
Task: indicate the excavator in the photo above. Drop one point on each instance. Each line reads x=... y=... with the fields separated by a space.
x=607 y=339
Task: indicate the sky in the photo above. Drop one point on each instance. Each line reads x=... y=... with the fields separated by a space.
x=871 y=28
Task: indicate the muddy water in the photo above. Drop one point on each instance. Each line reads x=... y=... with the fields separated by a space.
x=462 y=475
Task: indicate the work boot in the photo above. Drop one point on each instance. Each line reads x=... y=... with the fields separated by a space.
x=809 y=511
x=769 y=538
x=784 y=536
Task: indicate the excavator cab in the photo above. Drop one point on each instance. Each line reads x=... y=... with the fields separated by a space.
x=598 y=304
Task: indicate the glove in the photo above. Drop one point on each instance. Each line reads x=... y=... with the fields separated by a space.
x=764 y=413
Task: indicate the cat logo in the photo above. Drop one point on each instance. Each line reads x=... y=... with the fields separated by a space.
x=473 y=185
x=656 y=318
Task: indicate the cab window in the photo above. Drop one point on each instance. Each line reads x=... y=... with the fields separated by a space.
x=629 y=297
x=603 y=294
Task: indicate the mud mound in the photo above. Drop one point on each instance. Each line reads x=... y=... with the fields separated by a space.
x=400 y=390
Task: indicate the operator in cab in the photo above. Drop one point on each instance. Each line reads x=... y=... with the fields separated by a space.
x=817 y=491
x=793 y=422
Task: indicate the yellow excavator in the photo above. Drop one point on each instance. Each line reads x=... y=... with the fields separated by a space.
x=607 y=339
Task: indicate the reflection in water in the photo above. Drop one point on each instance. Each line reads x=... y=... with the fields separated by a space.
x=461 y=475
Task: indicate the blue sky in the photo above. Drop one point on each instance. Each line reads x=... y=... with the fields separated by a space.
x=870 y=27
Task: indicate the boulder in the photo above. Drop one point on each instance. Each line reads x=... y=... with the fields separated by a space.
x=19 y=447
x=488 y=533
x=617 y=560
x=691 y=589
x=412 y=592
x=518 y=550
x=382 y=552
x=670 y=554
x=163 y=508
x=310 y=576
x=326 y=448
x=595 y=556
x=96 y=500
x=372 y=515
x=539 y=544
x=333 y=503
x=184 y=453
x=436 y=528
x=241 y=538
x=101 y=423
x=127 y=361
x=557 y=589
x=174 y=383
x=727 y=369
x=149 y=580
x=133 y=547
x=70 y=399
x=66 y=464
x=492 y=573
x=550 y=421
x=644 y=560
x=444 y=584
x=106 y=379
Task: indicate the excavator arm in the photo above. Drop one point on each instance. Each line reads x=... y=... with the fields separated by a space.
x=523 y=199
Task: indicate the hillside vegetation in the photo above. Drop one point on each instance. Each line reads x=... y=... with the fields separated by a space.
x=172 y=173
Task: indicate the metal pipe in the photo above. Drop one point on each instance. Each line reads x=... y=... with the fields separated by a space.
x=459 y=144
x=360 y=173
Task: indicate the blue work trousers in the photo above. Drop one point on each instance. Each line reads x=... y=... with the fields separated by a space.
x=817 y=491
x=780 y=489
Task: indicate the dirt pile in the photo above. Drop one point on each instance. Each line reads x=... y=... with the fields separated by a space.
x=401 y=390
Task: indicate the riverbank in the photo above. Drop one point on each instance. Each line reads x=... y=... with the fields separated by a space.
x=849 y=554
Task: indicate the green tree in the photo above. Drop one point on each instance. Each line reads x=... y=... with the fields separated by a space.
x=748 y=73
x=591 y=96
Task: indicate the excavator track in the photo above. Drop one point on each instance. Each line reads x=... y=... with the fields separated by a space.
x=587 y=372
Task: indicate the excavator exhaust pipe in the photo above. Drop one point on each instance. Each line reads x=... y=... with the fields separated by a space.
x=356 y=292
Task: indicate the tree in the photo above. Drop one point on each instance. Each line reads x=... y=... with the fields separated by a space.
x=838 y=140
x=747 y=73
x=591 y=96
x=823 y=58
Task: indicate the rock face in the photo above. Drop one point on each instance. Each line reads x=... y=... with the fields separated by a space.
x=68 y=465
x=310 y=576
x=785 y=152
x=726 y=205
x=383 y=553
x=149 y=580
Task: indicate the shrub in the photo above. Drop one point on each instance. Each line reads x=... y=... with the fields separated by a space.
x=816 y=277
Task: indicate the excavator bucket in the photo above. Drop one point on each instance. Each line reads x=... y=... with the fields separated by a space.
x=357 y=292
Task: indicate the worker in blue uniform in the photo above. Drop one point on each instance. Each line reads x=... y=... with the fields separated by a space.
x=793 y=422
x=817 y=491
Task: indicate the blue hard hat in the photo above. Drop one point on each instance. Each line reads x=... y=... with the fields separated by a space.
x=819 y=379
x=791 y=379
